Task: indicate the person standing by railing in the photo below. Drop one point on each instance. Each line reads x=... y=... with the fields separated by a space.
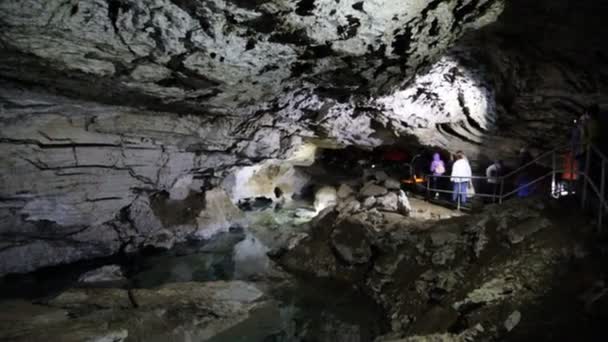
x=437 y=170
x=570 y=174
x=460 y=178
x=493 y=172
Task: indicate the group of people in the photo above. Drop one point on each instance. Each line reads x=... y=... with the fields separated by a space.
x=460 y=175
x=585 y=132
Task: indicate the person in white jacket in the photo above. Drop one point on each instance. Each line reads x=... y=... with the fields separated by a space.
x=460 y=178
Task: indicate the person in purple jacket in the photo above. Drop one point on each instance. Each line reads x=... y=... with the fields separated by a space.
x=437 y=169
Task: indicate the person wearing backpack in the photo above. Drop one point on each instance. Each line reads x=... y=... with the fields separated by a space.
x=493 y=173
x=437 y=170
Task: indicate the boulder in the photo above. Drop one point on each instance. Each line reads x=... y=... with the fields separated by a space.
x=388 y=202
x=513 y=320
x=349 y=240
x=325 y=197
x=380 y=175
x=109 y=273
x=371 y=189
x=107 y=298
x=403 y=204
x=368 y=202
x=392 y=184
x=344 y=191
x=349 y=206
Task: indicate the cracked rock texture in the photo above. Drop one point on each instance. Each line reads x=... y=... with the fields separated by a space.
x=220 y=55
x=117 y=116
x=450 y=276
x=164 y=97
x=82 y=180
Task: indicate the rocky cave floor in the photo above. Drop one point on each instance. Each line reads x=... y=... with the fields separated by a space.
x=363 y=262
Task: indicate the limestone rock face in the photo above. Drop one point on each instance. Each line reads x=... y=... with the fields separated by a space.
x=218 y=56
x=77 y=178
x=205 y=85
x=198 y=88
x=219 y=214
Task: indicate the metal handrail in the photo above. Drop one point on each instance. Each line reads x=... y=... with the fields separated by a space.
x=600 y=153
x=502 y=196
x=462 y=177
x=588 y=181
x=535 y=160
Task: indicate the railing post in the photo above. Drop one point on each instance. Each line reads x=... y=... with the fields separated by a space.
x=428 y=185
x=502 y=189
x=573 y=178
x=602 y=196
x=553 y=171
x=585 y=176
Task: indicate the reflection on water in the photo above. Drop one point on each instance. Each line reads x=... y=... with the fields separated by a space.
x=250 y=259
x=233 y=255
x=294 y=310
x=194 y=261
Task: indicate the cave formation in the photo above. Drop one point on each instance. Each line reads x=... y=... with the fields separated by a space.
x=130 y=125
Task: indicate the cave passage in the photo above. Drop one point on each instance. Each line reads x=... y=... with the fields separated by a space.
x=281 y=171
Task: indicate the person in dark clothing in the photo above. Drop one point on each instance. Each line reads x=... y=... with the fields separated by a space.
x=525 y=156
x=523 y=185
x=592 y=138
x=592 y=125
x=493 y=174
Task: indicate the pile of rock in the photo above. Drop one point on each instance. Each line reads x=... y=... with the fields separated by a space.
x=381 y=194
x=469 y=273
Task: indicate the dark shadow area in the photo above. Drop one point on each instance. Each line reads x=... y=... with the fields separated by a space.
x=174 y=212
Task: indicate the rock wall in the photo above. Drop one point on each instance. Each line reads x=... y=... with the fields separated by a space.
x=218 y=56
x=544 y=72
x=82 y=180
x=204 y=86
x=154 y=102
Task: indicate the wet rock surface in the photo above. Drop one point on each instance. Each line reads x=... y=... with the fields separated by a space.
x=177 y=295
x=466 y=278
x=110 y=273
x=153 y=315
